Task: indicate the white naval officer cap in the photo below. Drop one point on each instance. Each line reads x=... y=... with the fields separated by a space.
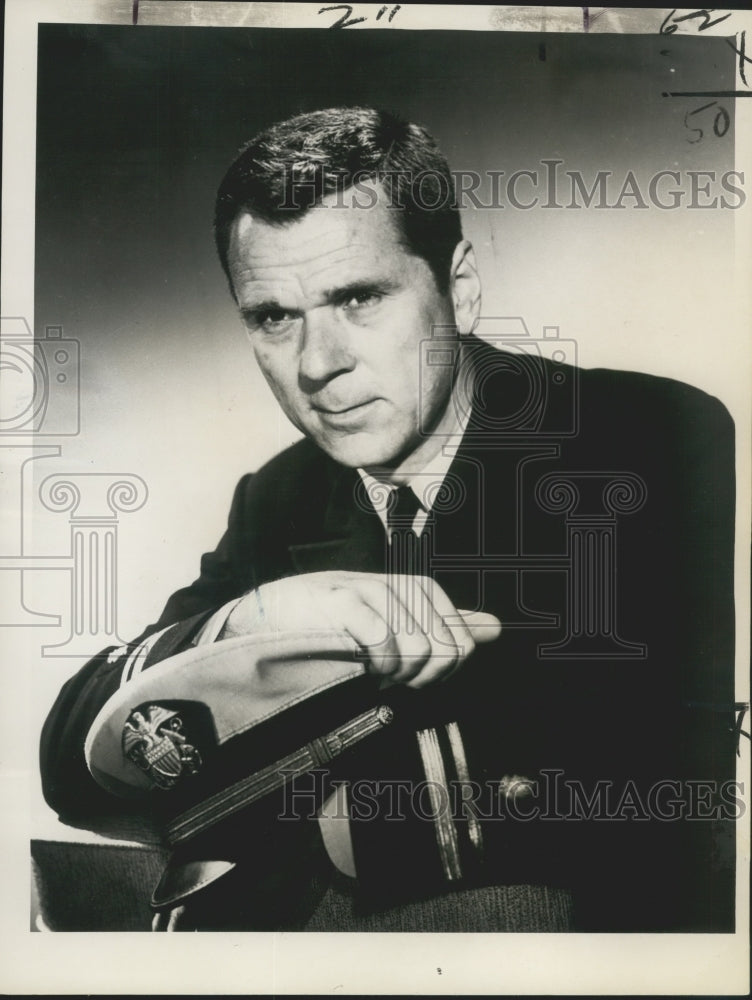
x=212 y=730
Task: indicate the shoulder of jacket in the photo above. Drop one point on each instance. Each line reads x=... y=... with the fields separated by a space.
x=644 y=395
x=299 y=472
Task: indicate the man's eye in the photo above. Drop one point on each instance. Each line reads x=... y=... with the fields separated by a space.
x=273 y=319
x=359 y=300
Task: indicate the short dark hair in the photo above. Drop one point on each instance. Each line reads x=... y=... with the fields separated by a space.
x=290 y=166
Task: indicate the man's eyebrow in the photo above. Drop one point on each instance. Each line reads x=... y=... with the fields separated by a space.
x=343 y=292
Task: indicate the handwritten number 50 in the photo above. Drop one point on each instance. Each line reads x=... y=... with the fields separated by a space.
x=721 y=122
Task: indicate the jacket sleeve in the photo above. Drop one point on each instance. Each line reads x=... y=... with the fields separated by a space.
x=66 y=783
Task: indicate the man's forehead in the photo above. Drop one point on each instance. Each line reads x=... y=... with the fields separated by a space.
x=332 y=219
x=256 y=243
x=329 y=240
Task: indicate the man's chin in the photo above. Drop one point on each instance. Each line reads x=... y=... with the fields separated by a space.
x=358 y=451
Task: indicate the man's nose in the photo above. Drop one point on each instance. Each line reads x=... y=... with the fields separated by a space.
x=325 y=350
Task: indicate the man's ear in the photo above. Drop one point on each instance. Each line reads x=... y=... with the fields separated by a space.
x=464 y=287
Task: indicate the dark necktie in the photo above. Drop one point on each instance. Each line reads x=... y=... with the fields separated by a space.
x=406 y=553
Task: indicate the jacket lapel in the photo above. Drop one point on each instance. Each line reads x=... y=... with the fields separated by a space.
x=352 y=536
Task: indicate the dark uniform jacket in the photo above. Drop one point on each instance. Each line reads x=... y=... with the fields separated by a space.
x=592 y=511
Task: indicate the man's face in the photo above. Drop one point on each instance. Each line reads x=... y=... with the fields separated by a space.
x=336 y=310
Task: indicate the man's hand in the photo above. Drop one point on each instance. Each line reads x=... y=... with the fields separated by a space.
x=407 y=626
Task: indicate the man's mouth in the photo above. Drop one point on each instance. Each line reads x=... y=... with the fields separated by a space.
x=336 y=410
x=344 y=415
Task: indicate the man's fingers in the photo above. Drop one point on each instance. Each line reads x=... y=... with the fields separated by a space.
x=483 y=626
x=420 y=645
x=367 y=625
x=452 y=641
x=410 y=629
x=447 y=644
x=404 y=607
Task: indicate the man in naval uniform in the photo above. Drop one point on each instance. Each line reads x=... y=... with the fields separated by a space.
x=531 y=563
